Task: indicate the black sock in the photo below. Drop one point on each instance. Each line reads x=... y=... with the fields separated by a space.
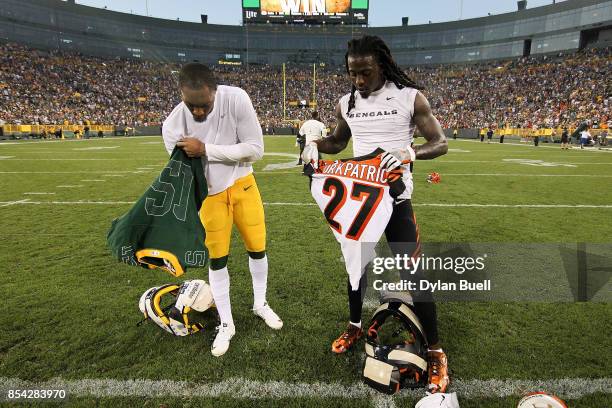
x=356 y=299
x=427 y=314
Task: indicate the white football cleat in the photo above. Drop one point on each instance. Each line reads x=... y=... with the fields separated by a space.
x=268 y=315
x=225 y=332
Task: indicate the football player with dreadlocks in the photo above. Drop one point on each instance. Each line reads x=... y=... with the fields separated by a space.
x=382 y=110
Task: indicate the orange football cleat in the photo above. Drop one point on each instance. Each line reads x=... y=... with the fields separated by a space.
x=437 y=371
x=347 y=339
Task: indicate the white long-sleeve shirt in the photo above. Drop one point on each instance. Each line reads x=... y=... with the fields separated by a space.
x=231 y=132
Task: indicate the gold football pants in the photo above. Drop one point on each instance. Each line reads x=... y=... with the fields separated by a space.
x=239 y=204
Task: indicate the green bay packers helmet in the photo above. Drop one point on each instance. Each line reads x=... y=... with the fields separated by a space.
x=396 y=349
x=174 y=318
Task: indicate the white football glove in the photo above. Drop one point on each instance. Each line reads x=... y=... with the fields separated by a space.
x=409 y=154
x=311 y=154
x=389 y=161
x=393 y=160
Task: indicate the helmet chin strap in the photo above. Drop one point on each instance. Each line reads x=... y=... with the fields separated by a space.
x=165 y=310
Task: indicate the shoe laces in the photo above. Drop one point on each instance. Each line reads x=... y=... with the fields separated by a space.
x=435 y=363
x=350 y=332
x=435 y=367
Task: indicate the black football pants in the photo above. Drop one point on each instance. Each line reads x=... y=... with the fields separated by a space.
x=402 y=235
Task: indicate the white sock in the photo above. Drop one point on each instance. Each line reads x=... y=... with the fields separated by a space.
x=356 y=324
x=259 y=274
x=219 y=286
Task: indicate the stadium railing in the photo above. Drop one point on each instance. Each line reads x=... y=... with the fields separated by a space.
x=526 y=133
x=68 y=131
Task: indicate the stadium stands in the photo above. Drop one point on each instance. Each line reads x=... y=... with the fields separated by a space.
x=53 y=87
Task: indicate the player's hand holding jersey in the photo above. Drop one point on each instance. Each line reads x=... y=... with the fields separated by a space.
x=395 y=159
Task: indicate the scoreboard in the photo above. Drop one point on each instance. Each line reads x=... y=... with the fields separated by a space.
x=351 y=12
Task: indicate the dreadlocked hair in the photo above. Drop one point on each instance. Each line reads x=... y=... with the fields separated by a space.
x=375 y=46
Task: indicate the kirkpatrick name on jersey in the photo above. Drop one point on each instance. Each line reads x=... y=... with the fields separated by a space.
x=372 y=114
x=359 y=171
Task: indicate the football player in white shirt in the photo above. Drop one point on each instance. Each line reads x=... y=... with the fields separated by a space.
x=383 y=110
x=218 y=123
x=310 y=131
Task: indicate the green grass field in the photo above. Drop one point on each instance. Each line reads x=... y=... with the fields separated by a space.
x=70 y=310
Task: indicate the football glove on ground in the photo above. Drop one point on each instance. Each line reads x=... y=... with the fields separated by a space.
x=433 y=178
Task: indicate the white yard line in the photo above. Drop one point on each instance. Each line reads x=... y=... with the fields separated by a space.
x=514 y=161
x=69 y=185
x=9 y=203
x=37 y=193
x=451 y=205
x=71 y=172
x=105 y=139
x=383 y=401
x=525 y=175
x=469 y=174
x=269 y=173
x=241 y=388
x=93 y=180
x=530 y=144
x=80 y=202
x=290 y=204
x=272 y=172
x=509 y=161
x=475 y=205
x=513 y=205
x=90 y=159
x=93 y=148
x=75 y=151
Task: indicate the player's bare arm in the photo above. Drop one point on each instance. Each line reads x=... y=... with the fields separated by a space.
x=427 y=124
x=339 y=139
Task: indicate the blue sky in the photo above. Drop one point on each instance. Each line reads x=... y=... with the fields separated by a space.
x=382 y=12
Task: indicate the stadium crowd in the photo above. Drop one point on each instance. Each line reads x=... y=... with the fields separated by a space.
x=52 y=87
